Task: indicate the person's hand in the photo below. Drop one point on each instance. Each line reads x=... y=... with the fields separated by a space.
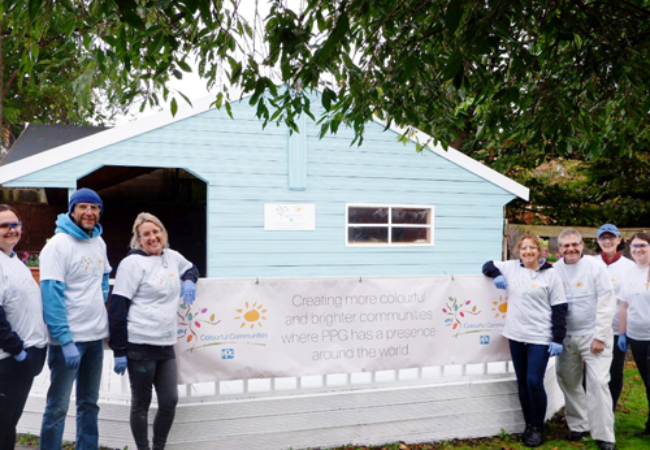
x=20 y=357
x=500 y=282
x=622 y=342
x=71 y=355
x=555 y=349
x=188 y=292
x=597 y=347
x=120 y=365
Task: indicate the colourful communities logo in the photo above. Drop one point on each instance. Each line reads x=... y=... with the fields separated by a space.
x=192 y=322
x=458 y=311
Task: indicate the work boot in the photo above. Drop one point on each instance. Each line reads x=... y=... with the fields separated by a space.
x=534 y=438
x=574 y=436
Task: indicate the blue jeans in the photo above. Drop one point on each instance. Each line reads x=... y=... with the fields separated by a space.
x=530 y=366
x=88 y=376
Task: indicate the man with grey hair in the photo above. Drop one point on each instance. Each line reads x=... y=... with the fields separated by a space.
x=589 y=340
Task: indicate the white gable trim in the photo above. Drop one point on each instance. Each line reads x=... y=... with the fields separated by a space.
x=105 y=138
x=462 y=160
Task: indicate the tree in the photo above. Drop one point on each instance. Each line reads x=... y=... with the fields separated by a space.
x=514 y=84
x=39 y=65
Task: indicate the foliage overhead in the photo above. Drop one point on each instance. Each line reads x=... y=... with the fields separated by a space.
x=514 y=84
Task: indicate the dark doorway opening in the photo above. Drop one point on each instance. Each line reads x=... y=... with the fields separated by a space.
x=175 y=196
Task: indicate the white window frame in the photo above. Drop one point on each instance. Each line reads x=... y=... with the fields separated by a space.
x=389 y=225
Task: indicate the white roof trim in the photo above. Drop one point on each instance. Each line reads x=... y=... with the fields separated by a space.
x=462 y=160
x=105 y=138
x=99 y=140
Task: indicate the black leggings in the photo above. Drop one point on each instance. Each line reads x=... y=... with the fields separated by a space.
x=616 y=373
x=641 y=353
x=143 y=375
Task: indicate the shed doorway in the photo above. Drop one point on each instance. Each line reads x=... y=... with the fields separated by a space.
x=174 y=195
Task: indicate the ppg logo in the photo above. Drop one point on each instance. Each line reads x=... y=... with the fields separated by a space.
x=227 y=353
x=485 y=340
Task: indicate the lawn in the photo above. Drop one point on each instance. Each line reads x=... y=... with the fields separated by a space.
x=631 y=416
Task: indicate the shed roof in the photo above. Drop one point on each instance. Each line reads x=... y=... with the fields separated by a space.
x=91 y=142
x=37 y=138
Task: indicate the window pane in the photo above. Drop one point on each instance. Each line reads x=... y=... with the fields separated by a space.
x=412 y=215
x=410 y=235
x=368 y=235
x=367 y=215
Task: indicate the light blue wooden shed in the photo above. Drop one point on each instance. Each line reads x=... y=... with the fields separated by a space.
x=245 y=167
x=247 y=172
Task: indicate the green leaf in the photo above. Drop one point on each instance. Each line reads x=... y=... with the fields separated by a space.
x=452 y=18
x=174 y=106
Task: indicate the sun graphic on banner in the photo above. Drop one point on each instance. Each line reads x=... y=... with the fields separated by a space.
x=501 y=307
x=251 y=314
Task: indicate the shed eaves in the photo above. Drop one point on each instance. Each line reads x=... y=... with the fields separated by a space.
x=37 y=138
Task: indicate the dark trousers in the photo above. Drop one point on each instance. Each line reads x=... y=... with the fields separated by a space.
x=616 y=373
x=530 y=362
x=16 y=380
x=143 y=375
x=641 y=353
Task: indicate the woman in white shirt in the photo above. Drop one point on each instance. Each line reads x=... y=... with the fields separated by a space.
x=635 y=313
x=23 y=333
x=609 y=246
x=535 y=326
x=142 y=320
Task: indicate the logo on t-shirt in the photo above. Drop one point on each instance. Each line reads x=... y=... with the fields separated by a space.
x=92 y=266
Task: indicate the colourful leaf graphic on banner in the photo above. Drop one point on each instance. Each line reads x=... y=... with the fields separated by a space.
x=189 y=338
x=189 y=322
x=456 y=311
x=197 y=324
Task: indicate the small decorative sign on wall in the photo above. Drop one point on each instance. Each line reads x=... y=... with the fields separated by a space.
x=289 y=217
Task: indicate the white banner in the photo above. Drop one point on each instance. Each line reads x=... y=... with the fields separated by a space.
x=239 y=329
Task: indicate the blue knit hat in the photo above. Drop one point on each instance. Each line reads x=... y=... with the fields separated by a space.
x=85 y=195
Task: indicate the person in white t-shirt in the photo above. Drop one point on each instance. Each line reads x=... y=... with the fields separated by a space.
x=609 y=246
x=23 y=334
x=143 y=324
x=535 y=326
x=635 y=313
x=589 y=341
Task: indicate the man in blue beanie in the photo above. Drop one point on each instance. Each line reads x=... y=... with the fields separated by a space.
x=74 y=283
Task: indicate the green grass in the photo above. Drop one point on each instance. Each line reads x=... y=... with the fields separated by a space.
x=631 y=416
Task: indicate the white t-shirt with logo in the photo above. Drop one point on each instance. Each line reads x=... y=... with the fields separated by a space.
x=636 y=293
x=81 y=265
x=583 y=283
x=20 y=297
x=617 y=271
x=153 y=284
x=531 y=294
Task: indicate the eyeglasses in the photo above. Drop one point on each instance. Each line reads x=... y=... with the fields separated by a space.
x=643 y=245
x=607 y=238
x=528 y=247
x=571 y=245
x=147 y=234
x=9 y=225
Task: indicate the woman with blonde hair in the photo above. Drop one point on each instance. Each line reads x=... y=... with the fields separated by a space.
x=535 y=326
x=142 y=320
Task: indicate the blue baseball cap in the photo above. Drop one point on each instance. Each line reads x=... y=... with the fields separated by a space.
x=608 y=228
x=85 y=195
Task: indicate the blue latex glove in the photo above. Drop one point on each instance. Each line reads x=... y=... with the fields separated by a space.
x=71 y=355
x=555 y=349
x=120 y=365
x=21 y=356
x=500 y=282
x=188 y=292
x=622 y=342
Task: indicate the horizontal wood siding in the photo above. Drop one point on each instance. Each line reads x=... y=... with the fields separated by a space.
x=246 y=166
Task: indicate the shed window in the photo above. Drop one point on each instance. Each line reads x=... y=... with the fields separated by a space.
x=393 y=225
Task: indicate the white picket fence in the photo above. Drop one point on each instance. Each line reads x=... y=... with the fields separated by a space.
x=411 y=405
